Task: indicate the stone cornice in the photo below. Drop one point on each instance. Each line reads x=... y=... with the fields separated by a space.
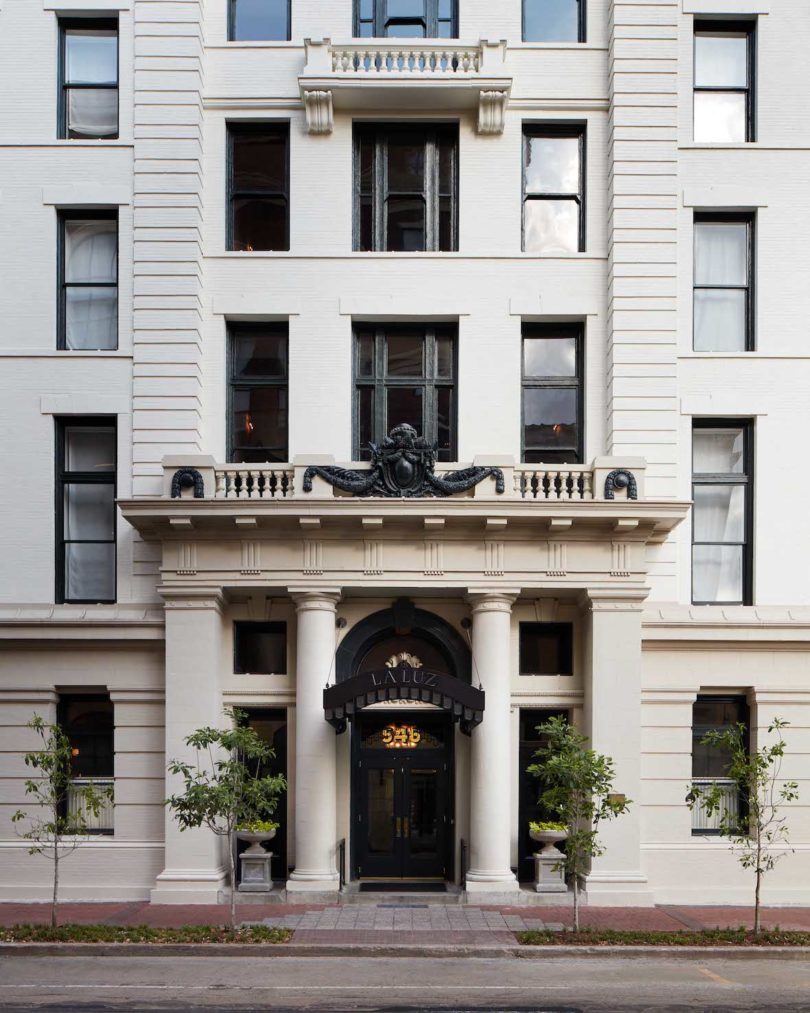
x=104 y=622
x=613 y=600
x=197 y=598
x=671 y=624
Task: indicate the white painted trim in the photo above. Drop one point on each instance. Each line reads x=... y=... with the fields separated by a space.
x=724 y=404
x=551 y=304
x=390 y=306
x=236 y=305
x=86 y=194
x=84 y=404
x=729 y=8
x=713 y=196
x=86 y=6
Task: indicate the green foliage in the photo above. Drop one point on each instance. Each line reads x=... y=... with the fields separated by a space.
x=576 y=784
x=225 y=787
x=143 y=934
x=546 y=826
x=53 y=829
x=759 y=831
x=259 y=826
x=632 y=937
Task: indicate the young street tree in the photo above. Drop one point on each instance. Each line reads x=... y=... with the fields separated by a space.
x=225 y=789
x=59 y=823
x=757 y=829
x=576 y=784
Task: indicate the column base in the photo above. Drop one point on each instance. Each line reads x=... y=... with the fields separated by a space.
x=483 y=882
x=187 y=886
x=605 y=889
x=313 y=883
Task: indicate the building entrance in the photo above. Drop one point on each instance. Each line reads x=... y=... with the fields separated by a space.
x=403 y=795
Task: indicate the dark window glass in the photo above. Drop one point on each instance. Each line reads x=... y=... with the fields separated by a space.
x=710 y=763
x=552 y=394
x=260 y=648
x=546 y=649
x=553 y=189
x=259 y=20
x=405 y=374
x=85 y=511
x=723 y=108
x=258 y=186
x=258 y=392
x=88 y=280
x=415 y=19
x=724 y=300
x=406 y=188
x=553 y=20
x=722 y=491
x=88 y=107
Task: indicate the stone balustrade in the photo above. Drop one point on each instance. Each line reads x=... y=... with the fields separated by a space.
x=410 y=58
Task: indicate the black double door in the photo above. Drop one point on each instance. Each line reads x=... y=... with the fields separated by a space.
x=403 y=797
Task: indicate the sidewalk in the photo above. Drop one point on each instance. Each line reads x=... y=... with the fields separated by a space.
x=408 y=923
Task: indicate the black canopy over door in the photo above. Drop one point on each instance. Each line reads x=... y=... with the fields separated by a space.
x=402 y=800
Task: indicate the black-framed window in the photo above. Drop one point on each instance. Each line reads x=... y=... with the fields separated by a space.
x=258 y=392
x=546 y=649
x=260 y=648
x=722 y=515
x=406 y=187
x=724 y=81
x=553 y=189
x=87 y=719
x=87 y=316
x=554 y=20
x=258 y=186
x=426 y=19
x=88 y=78
x=724 y=283
x=552 y=404
x=259 y=20
x=85 y=509
x=405 y=373
x=710 y=763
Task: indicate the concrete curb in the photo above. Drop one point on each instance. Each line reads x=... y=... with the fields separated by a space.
x=265 y=950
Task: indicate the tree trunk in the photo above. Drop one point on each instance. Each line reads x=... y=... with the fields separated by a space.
x=576 y=902
x=55 y=899
x=233 y=879
x=758 y=883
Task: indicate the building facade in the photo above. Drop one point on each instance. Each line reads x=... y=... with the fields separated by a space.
x=402 y=374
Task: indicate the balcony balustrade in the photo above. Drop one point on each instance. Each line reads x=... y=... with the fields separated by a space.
x=424 y=74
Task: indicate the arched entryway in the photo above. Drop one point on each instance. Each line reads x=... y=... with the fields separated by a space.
x=403 y=684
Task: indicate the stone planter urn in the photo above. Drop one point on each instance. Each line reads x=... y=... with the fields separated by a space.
x=255 y=862
x=549 y=874
x=548 y=838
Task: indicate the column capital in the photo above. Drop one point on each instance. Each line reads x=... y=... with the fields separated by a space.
x=613 y=600
x=193 y=598
x=318 y=600
x=492 y=601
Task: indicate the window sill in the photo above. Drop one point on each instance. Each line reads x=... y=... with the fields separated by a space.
x=755 y=354
x=83 y=6
x=545 y=47
x=59 y=353
x=256 y=44
x=368 y=255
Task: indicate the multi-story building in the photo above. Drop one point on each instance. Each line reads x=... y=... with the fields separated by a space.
x=244 y=240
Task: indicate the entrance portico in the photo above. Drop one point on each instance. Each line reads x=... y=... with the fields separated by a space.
x=455 y=575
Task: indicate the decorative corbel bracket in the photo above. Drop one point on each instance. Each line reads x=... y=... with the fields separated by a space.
x=492 y=111
x=319 y=110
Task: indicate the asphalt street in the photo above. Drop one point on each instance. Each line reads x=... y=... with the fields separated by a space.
x=282 y=984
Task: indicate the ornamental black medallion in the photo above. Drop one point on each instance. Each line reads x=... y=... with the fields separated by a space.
x=402 y=466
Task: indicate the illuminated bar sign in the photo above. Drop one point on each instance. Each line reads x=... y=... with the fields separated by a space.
x=401 y=736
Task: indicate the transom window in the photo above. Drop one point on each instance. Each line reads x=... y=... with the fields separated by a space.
x=405 y=373
x=88 y=280
x=724 y=304
x=428 y=19
x=88 y=61
x=722 y=491
x=546 y=649
x=259 y=20
x=259 y=405
x=553 y=20
x=258 y=186
x=260 y=647
x=85 y=514
x=724 y=81
x=406 y=187
x=552 y=394
x=553 y=189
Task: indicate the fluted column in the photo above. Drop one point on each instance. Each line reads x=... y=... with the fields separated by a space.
x=491 y=752
x=315 y=800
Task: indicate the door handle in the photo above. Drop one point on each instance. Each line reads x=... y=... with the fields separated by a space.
x=407 y=827
x=397 y=826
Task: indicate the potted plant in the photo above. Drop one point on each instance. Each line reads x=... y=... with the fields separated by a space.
x=548 y=834
x=255 y=833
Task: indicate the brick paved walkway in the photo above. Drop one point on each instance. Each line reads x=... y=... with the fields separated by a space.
x=411 y=921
